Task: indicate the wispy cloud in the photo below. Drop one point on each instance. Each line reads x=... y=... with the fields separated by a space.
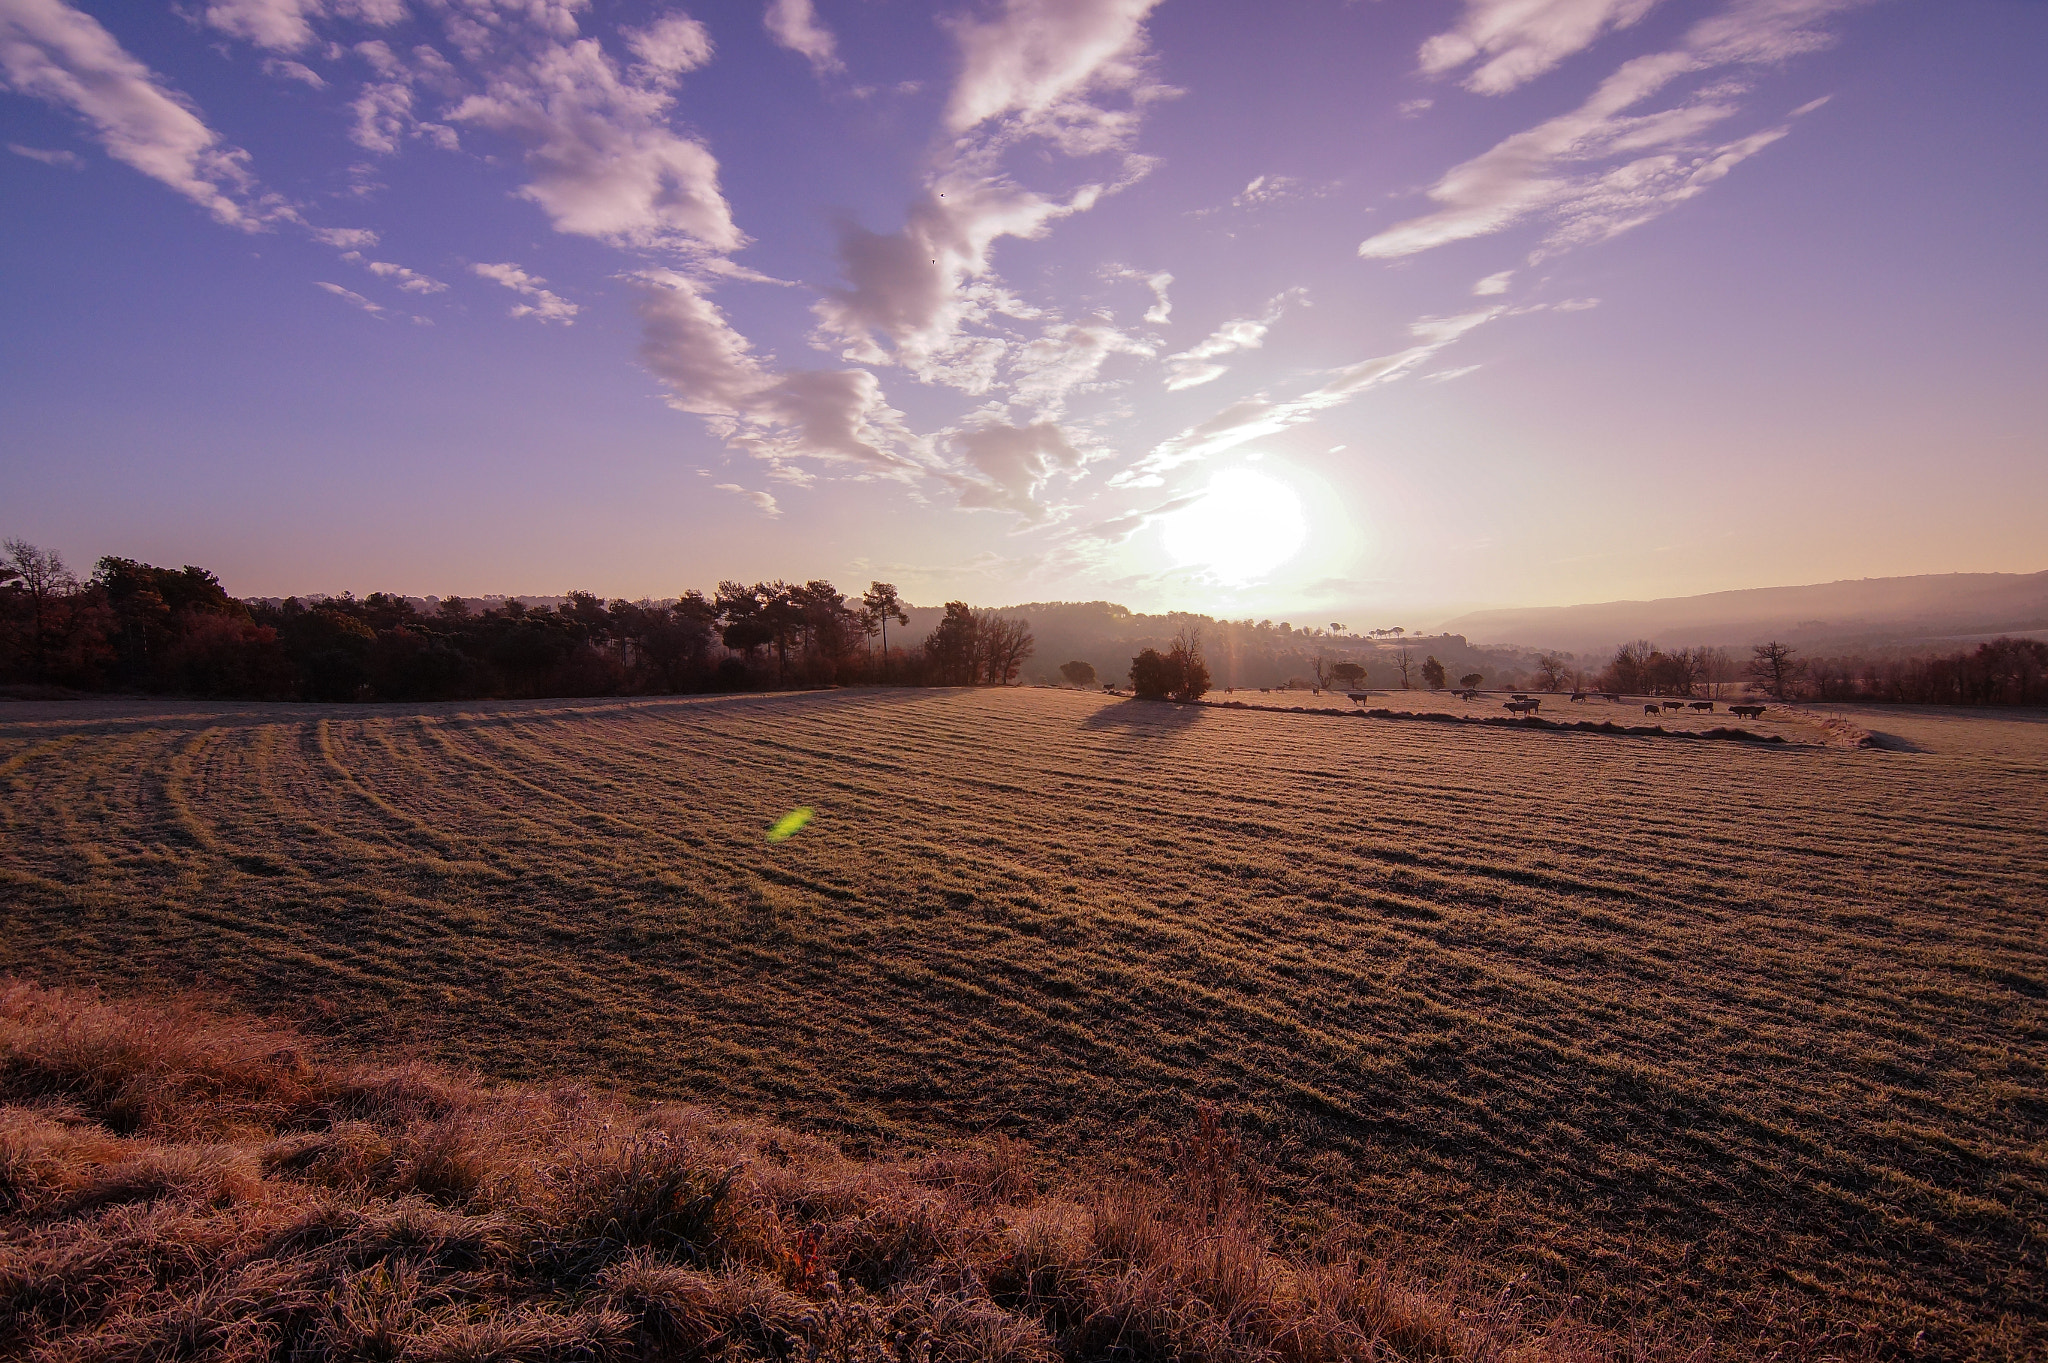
x=350 y=296
x=1198 y=363
x=412 y=281
x=1045 y=65
x=48 y=156
x=1008 y=466
x=53 y=52
x=1067 y=356
x=764 y=502
x=287 y=25
x=344 y=238
x=545 y=304
x=794 y=24
x=1515 y=41
x=710 y=370
x=1258 y=416
x=298 y=71
x=1601 y=168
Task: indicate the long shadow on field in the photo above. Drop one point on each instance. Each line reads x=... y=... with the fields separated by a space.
x=1144 y=718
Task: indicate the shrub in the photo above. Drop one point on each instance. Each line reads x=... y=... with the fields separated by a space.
x=1178 y=674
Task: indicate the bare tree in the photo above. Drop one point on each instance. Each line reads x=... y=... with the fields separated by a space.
x=39 y=575
x=1403 y=659
x=1718 y=668
x=1776 y=666
x=1550 y=672
x=1003 y=643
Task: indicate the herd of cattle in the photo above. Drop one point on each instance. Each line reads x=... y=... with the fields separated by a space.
x=1522 y=704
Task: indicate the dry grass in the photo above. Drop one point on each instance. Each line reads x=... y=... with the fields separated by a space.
x=1708 y=1037
x=172 y=1185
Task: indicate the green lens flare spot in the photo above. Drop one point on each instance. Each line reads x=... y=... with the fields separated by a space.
x=787 y=826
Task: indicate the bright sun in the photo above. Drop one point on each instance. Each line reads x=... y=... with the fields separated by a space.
x=1243 y=527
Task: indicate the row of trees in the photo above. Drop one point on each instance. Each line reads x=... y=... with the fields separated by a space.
x=2002 y=671
x=134 y=627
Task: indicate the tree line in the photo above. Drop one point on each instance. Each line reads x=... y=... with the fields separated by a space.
x=2002 y=671
x=131 y=626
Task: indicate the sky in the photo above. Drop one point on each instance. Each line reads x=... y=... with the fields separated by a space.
x=1371 y=311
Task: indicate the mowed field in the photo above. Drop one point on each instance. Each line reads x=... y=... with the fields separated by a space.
x=1724 y=1038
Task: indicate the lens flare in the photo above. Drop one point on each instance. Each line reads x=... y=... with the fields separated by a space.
x=1245 y=525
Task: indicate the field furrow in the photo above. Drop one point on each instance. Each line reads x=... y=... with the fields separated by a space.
x=1723 y=1037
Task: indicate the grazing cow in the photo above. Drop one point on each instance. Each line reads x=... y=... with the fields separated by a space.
x=1360 y=696
x=1652 y=710
x=1519 y=696
x=1746 y=711
x=1523 y=707
x=1702 y=705
x=1578 y=696
x=1674 y=705
x=1609 y=695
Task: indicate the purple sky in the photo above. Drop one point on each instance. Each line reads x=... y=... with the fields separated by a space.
x=1355 y=310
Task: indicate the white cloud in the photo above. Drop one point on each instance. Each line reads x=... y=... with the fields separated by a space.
x=1446 y=375
x=670 y=46
x=287 y=25
x=1198 y=363
x=412 y=281
x=1067 y=356
x=764 y=502
x=298 y=71
x=48 y=156
x=1041 y=63
x=351 y=296
x=836 y=416
x=1009 y=465
x=1258 y=416
x=1267 y=189
x=794 y=25
x=1493 y=284
x=1643 y=164
x=383 y=112
x=1161 y=310
x=53 y=52
x=1116 y=529
x=1514 y=41
x=344 y=238
x=605 y=162
x=546 y=306
x=914 y=288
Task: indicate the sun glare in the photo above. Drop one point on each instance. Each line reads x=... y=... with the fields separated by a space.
x=1245 y=525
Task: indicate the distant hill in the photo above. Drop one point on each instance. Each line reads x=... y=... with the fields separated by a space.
x=1869 y=612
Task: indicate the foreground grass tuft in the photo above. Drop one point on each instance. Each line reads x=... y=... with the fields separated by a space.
x=179 y=1185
